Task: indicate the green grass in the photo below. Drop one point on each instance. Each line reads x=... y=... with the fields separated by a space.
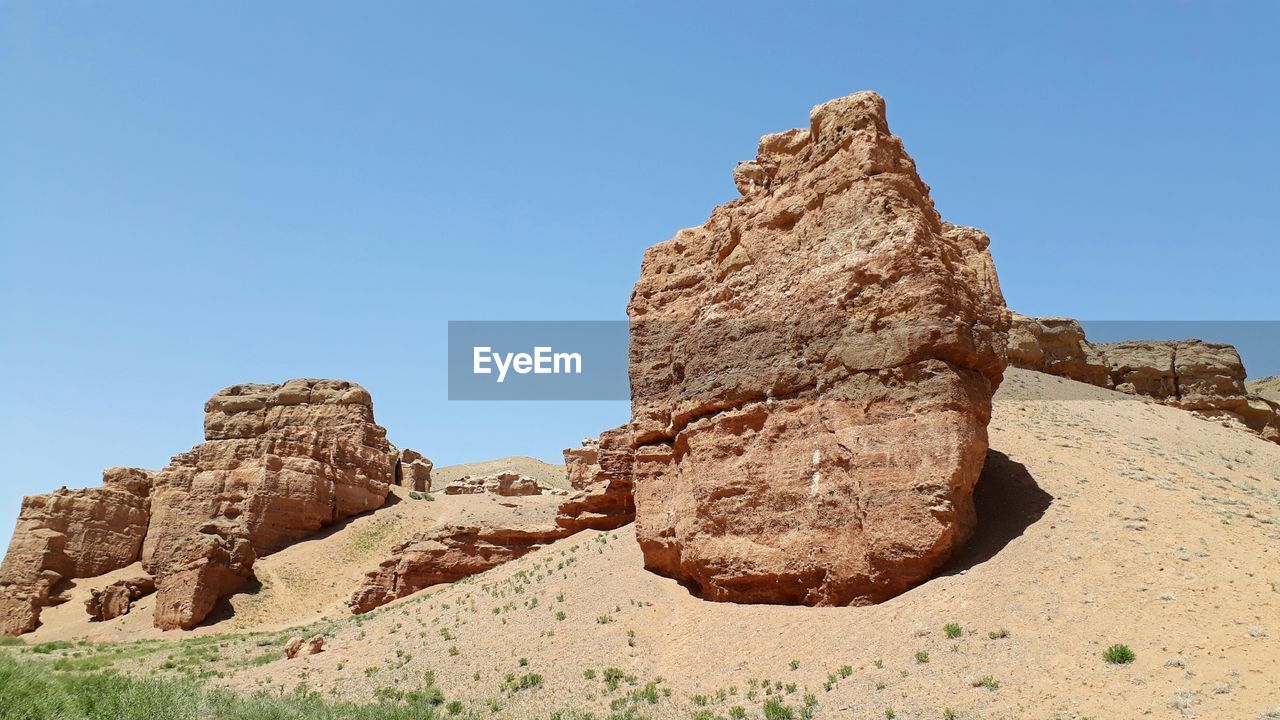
x=31 y=692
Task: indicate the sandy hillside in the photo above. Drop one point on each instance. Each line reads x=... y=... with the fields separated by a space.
x=314 y=578
x=1102 y=519
x=1267 y=387
x=547 y=473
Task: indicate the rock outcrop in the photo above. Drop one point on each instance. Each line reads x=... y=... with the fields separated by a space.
x=507 y=484
x=117 y=598
x=445 y=554
x=279 y=463
x=812 y=372
x=1205 y=378
x=1056 y=346
x=413 y=471
x=71 y=534
x=600 y=473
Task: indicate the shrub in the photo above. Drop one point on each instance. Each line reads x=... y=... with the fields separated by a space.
x=774 y=709
x=953 y=630
x=922 y=656
x=986 y=681
x=1119 y=654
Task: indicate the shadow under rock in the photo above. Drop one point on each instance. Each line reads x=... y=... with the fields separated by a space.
x=1008 y=501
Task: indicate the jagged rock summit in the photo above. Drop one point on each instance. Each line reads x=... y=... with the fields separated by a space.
x=812 y=372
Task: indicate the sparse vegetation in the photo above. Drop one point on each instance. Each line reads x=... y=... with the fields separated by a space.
x=1119 y=654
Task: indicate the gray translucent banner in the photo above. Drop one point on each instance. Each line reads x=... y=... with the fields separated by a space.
x=538 y=360
x=587 y=359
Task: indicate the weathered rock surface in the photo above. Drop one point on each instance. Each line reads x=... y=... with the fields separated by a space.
x=600 y=473
x=279 y=463
x=1205 y=378
x=812 y=372
x=506 y=484
x=1056 y=346
x=117 y=598
x=297 y=647
x=413 y=471
x=449 y=552
x=71 y=534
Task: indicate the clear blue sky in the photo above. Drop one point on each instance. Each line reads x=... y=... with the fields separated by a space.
x=198 y=194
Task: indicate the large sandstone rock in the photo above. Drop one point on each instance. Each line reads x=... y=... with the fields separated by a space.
x=279 y=463
x=812 y=372
x=71 y=534
x=600 y=473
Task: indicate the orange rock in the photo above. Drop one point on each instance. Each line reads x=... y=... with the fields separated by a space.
x=600 y=473
x=1205 y=378
x=413 y=471
x=279 y=463
x=71 y=534
x=812 y=372
x=445 y=554
x=117 y=598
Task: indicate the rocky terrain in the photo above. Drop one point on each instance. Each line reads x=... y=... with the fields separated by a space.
x=853 y=484
x=1205 y=378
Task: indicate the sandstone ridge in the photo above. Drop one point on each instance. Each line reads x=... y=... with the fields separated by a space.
x=1205 y=378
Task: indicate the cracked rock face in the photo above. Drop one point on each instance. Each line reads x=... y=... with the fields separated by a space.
x=71 y=534
x=279 y=463
x=812 y=372
x=600 y=474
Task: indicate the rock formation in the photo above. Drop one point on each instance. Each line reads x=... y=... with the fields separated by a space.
x=600 y=473
x=507 y=484
x=297 y=647
x=413 y=471
x=812 y=372
x=1205 y=378
x=445 y=554
x=71 y=534
x=279 y=463
x=1056 y=346
x=117 y=598
x=1267 y=388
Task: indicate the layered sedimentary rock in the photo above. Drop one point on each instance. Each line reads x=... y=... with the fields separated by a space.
x=1205 y=378
x=507 y=484
x=448 y=553
x=600 y=473
x=279 y=463
x=812 y=372
x=413 y=471
x=71 y=534
x=1056 y=346
x=117 y=598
